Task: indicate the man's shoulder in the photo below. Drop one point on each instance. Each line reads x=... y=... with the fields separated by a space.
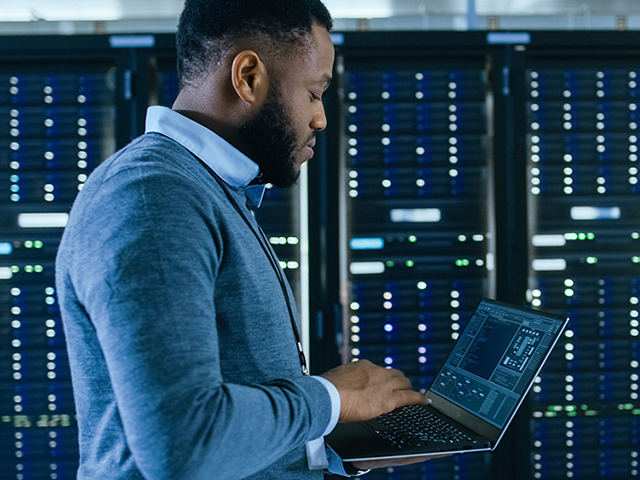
x=152 y=168
x=149 y=150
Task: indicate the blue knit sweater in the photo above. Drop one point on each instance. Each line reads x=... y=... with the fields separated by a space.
x=183 y=359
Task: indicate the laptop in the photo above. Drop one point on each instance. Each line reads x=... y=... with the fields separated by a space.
x=473 y=397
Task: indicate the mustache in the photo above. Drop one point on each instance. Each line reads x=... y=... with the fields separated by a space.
x=311 y=138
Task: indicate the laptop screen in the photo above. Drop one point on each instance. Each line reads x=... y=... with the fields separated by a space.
x=495 y=359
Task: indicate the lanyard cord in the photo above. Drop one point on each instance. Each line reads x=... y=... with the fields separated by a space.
x=262 y=240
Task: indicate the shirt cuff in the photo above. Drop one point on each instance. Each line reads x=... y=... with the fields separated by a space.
x=335 y=403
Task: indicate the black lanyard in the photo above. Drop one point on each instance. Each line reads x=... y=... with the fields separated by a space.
x=273 y=260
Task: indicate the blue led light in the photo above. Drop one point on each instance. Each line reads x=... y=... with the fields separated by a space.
x=388 y=327
x=366 y=243
x=337 y=38
x=508 y=38
x=6 y=248
x=388 y=360
x=132 y=41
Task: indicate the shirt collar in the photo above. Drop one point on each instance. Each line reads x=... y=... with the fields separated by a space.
x=231 y=165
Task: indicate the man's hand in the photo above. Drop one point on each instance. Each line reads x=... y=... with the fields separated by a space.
x=367 y=390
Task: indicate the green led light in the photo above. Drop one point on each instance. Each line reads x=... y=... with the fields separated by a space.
x=409 y=263
x=571 y=236
x=591 y=413
x=590 y=236
x=550 y=414
x=15 y=269
x=462 y=262
x=592 y=260
x=570 y=408
x=389 y=263
x=569 y=283
x=28 y=244
x=636 y=411
x=568 y=292
x=635 y=259
x=582 y=236
x=572 y=414
x=38 y=244
x=413 y=239
x=38 y=269
x=28 y=268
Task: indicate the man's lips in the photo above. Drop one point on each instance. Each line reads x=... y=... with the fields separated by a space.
x=309 y=147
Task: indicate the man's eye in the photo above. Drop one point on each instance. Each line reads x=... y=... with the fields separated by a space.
x=315 y=96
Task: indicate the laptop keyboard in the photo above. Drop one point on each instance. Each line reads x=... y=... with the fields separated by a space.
x=413 y=426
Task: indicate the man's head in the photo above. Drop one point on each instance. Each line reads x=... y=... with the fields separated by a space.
x=276 y=59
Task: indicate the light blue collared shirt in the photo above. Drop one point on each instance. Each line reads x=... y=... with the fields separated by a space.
x=233 y=166
x=236 y=169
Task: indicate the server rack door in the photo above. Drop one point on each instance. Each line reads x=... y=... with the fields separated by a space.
x=57 y=122
x=582 y=149
x=414 y=224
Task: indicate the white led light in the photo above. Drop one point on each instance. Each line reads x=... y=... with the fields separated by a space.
x=549 y=265
x=366 y=268
x=548 y=241
x=42 y=220
x=416 y=215
x=595 y=213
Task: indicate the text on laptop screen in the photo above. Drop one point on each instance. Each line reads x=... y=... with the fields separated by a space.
x=512 y=344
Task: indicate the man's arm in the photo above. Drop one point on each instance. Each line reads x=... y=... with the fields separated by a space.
x=146 y=278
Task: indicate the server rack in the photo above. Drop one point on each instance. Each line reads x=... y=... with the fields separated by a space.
x=58 y=120
x=416 y=228
x=579 y=119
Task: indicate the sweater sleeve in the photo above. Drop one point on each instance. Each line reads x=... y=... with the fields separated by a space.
x=145 y=265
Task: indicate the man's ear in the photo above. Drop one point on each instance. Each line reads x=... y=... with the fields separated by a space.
x=249 y=78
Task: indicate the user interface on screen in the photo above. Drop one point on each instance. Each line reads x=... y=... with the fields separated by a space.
x=495 y=359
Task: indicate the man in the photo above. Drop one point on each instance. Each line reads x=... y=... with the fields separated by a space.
x=180 y=329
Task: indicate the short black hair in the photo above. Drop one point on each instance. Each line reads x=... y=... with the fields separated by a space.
x=209 y=28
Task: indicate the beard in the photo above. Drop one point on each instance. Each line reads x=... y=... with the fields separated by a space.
x=269 y=140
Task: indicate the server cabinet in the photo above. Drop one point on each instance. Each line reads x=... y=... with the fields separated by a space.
x=415 y=227
x=579 y=104
x=57 y=122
